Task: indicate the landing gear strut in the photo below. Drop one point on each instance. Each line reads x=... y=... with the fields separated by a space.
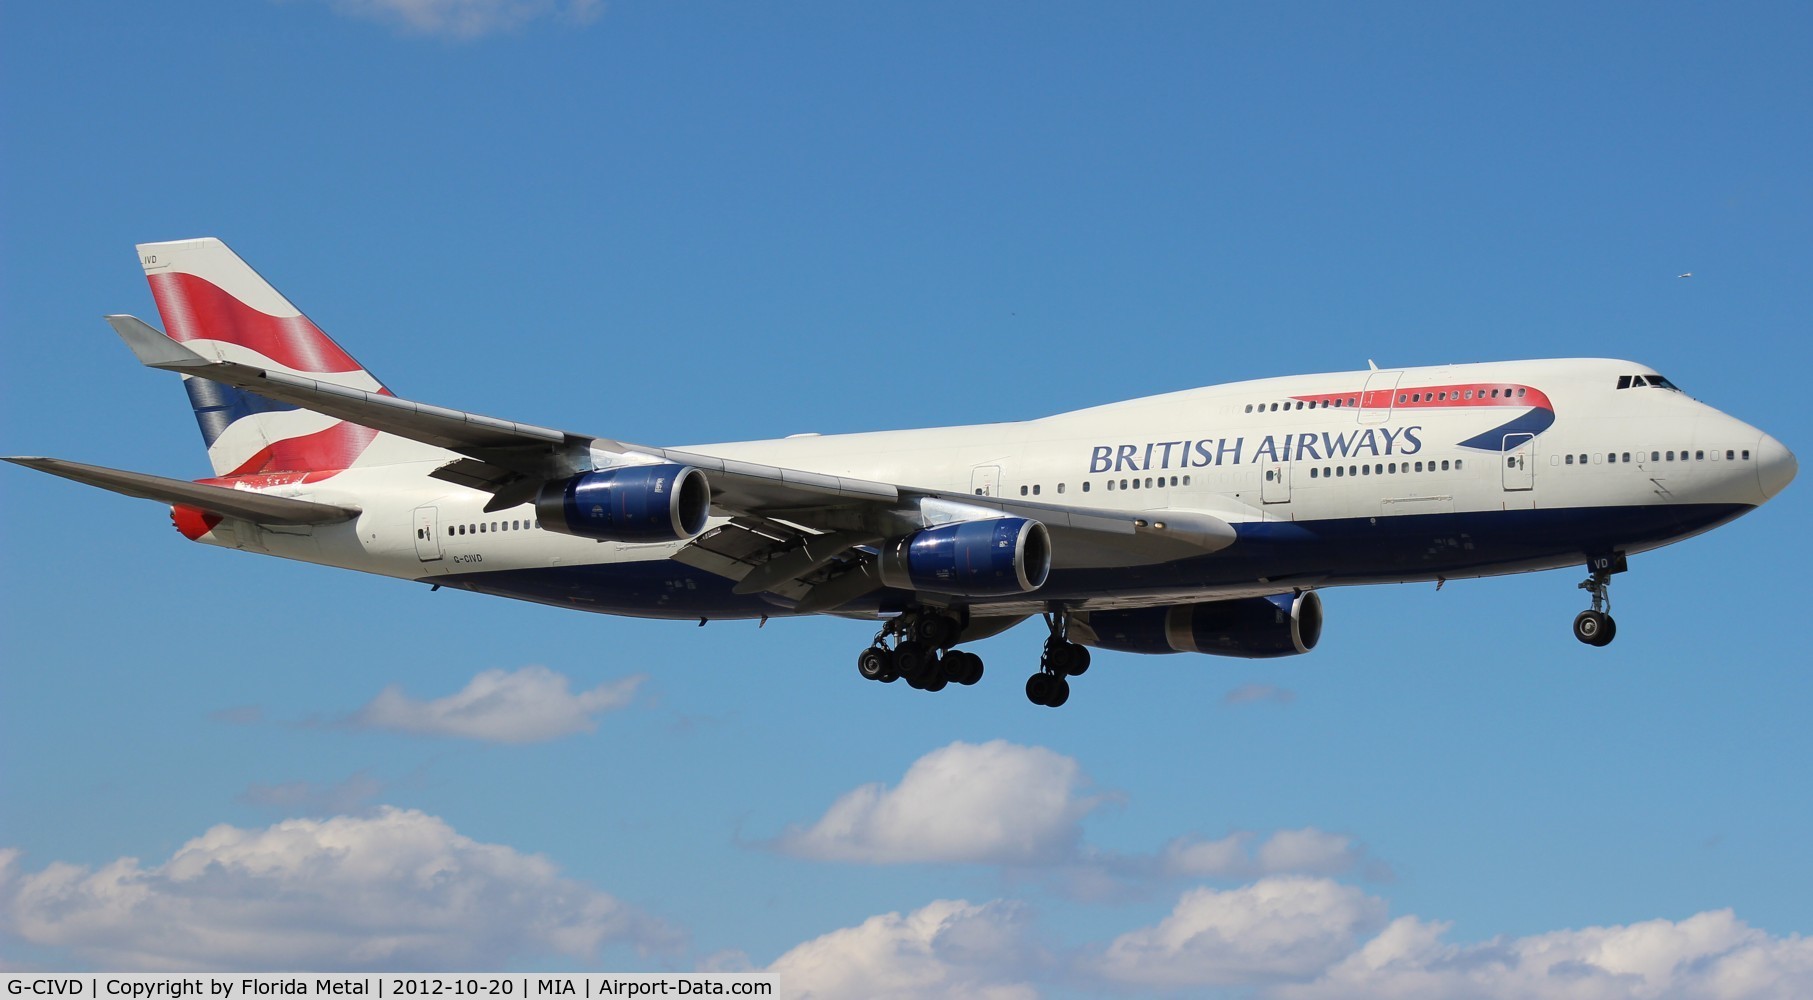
x=921 y=653
x=1062 y=659
x=1596 y=627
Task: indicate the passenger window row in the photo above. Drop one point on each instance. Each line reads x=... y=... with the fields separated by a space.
x=1431 y=396
x=1684 y=455
x=486 y=527
x=1298 y=404
x=1446 y=394
x=1384 y=469
x=1150 y=483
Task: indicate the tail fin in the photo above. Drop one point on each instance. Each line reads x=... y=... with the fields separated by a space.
x=219 y=307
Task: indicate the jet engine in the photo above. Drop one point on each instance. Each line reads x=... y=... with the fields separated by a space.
x=632 y=503
x=1252 y=627
x=986 y=558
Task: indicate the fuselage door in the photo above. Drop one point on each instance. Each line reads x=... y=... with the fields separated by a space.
x=427 y=534
x=985 y=481
x=1275 y=482
x=1379 y=396
x=1520 y=465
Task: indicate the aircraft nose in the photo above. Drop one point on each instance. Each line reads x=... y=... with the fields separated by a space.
x=1775 y=466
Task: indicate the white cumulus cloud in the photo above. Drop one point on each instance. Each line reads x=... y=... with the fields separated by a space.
x=1309 y=851
x=1276 y=929
x=947 y=948
x=1306 y=851
x=995 y=802
x=468 y=19
x=1709 y=956
x=1194 y=857
x=396 y=890
x=528 y=705
x=1293 y=938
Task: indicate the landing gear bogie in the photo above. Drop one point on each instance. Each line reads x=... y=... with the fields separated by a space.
x=1062 y=659
x=921 y=653
x=919 y=648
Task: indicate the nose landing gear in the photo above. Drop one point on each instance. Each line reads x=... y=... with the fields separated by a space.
x=1596 y=627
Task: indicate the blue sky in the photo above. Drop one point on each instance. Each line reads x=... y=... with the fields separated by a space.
x=685 y=222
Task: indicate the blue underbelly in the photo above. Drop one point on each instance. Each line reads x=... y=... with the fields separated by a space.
x=1318 y=553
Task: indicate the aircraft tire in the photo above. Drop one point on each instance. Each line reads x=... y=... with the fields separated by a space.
x=962 y=667
x=1077 y=660
x=876 y=664
x=913 y=660
x=1038 y=687
x=936 y=631
x=1594 y=628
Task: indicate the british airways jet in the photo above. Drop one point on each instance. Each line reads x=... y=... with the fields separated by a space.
x=1203 y=521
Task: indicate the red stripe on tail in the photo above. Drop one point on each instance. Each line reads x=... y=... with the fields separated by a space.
x=196 y=309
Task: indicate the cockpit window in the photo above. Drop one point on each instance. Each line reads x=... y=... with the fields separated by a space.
x=1639 y=381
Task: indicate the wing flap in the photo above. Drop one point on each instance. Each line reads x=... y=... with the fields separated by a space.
x=244 y=504
x=733 y=551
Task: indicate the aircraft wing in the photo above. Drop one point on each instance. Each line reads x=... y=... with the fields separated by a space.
x=782 y=506
x=504 y=457
x=244 y=504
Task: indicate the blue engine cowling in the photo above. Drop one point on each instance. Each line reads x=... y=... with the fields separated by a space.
x=634 y=503
x=988 y=558
x=1253 y=627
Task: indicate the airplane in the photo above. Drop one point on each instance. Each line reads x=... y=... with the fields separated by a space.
x=1206 y=521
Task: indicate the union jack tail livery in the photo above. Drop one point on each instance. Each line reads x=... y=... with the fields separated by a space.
x=215 y=304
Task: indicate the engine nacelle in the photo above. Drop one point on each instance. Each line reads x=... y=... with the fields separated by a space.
x=632 y=503
x=1252 y=627
x=987 y=558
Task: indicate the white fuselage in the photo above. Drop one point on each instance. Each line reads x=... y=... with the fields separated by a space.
x=1330 y=479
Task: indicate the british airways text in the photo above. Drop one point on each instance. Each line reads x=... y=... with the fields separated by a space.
x=1191 y=453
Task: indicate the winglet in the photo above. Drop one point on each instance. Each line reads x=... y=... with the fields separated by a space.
x=154 y=349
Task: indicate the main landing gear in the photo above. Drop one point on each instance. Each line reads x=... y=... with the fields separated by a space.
x=921 y=654
x=1062 y=660
x=1596 y=627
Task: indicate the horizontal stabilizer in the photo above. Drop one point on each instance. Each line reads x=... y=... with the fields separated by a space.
x=243 y=504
